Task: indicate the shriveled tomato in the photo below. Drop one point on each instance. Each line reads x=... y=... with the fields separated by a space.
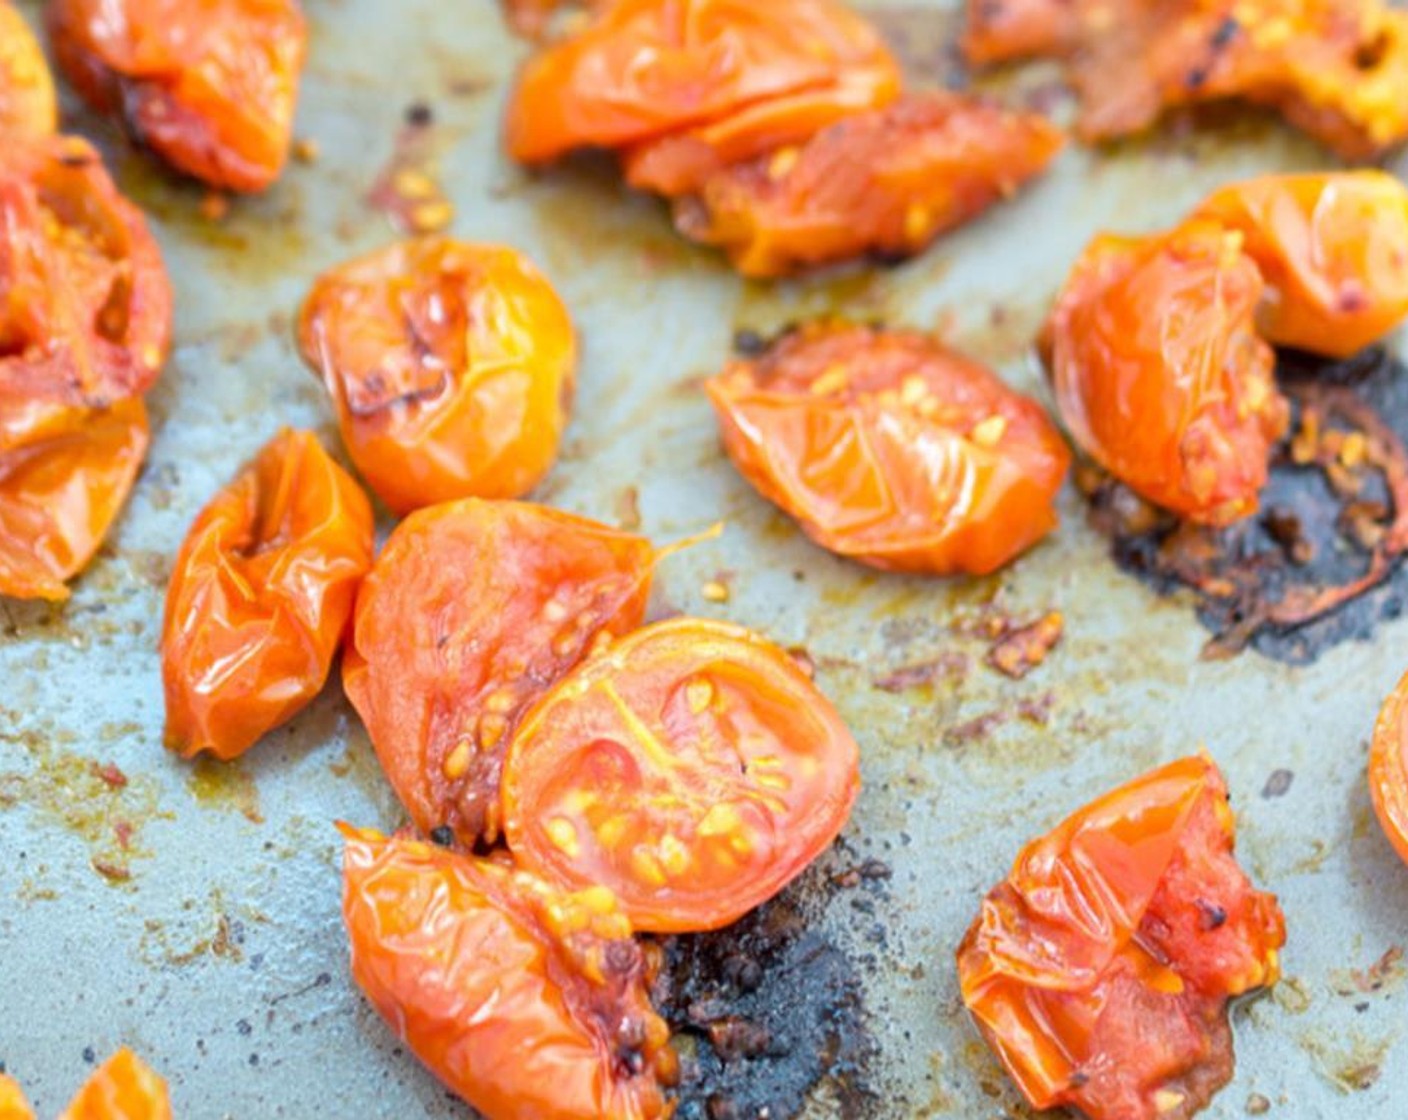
x=451 y=367
x=1160 y=374
x=1333 y=250
x=209 y=85
x=690 y=767
x=528 y=1003
x=886 y=181
x=260 y=597
x=13 y=1106
x=122 y=1088
x=1099 y=971
x=473 y=609
x=891 y=449
x=1388 y=768
x=27 y=102
x=646 y=69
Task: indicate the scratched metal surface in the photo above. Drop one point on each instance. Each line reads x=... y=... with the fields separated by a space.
x=221 y=956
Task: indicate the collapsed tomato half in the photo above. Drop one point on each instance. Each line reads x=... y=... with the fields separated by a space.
x=690 y=767
x=27 y=102
x=451 y=367
x=209 y=85
x=472 y=610
x=122 y=1088
x=1160 y=374
x=260 y=596
x=886 y=181
x=891 y=449
x=1099 y=972
x=530 y=1004
x=1388 y=769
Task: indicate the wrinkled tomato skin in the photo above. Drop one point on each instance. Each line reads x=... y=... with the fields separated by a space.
x=1333 y=249
x=1099 y=972
x=1159 y=373
x=13 y=1106
x=480 y=970
x=1388 y=769
x=690 y=767
x=472 y=610
x=647 y=69
x=892 y=450
x=887 y=181
x=260 y=596
x=210 y=86
x=28 y=105
x=122 y=1088
x=451 y=367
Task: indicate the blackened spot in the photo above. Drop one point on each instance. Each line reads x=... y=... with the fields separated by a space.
x=419 y=115
x=1211 y=915
x=1225 y=33
x=1278 y=784
x=444 y=836
x=1079 y=1079
x=748 y=342
x=244 y=1027
x=1196 y=78
x=89 y=1055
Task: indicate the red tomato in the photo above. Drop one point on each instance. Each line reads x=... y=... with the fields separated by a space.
x=260 y=596
x=122 y=1088
x=13 y=1106
x=691 y=768
x=209 y=85
x=1333 y=250
x=472 y=610
x=531 y=1005
x=885 y=181
x=1388 y=769
x=1099 y=971
x=891 y=449
x=451 y=367
x=1159 y=373
x=27 y=101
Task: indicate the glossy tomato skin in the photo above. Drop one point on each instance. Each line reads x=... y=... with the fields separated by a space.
x=1333 y=250
x=1100 y=970
x=529 y=1004
x=890 y=449
x=1388 y=769
x=27 y=101
x=689 y=767
x=451 y=367
x=885 y=181
x=650 y=69
x=472 y=610
x=122 y=1088
x=260 y=596
x=210 y=86
x=1159 y=372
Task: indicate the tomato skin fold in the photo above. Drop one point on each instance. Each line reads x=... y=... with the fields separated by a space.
x=122 y=1088
x=260 y=596
x=529 y=1004
x=28 y=104
x=1388 y=769
x=1100 y=970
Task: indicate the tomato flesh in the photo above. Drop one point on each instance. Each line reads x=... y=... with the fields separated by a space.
x=27 y=101
x=1388 y=769
x=122 y=1088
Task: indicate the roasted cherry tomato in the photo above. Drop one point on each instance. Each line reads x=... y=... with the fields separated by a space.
x=891 y=449
x=690 y=767
x=122 y=1088
x=1159 y=372
x=1333 y=249
x=27 y=102
x=530 y=1004
x=1388 y=769
x=451 y=367
x=260 y=597
x=886 y=181
x=1099 y=971
x=209 y=85
x=13 y=1106
x=472 y=610
x=647 y=69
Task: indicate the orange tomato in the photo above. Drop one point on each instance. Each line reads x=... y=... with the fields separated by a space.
x=1159 y=372
x=27 y=102
x=690 y=767
x=887 y=181
x=890 y=449
x=13 y=1106
x=1099 y=971
x=472 y=610
x=451 y=367
x=529 y=1004
x=209 y=85
x=1333 y=250
x=122 y=1088
x=260 y=596
x=1388 y=769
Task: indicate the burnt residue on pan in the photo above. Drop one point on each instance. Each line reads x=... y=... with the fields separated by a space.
x=1320 y=562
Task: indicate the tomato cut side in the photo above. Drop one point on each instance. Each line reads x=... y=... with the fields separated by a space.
x=122 y=1088
x=1388 y=769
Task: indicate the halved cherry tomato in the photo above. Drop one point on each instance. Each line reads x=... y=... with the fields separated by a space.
x=1388 y=769
x=1159 y=372
x=260 y=597
x=27 y=102
x=530 y=1004
x=1099 y=971
x=451 y=367
x=13 y=1106
x=884 y=181
x=690 y=767
x=891 y=449
x=1333 y=250
x=122 y=1088
x=473 y=610
x=209 y=85
x=645 y=69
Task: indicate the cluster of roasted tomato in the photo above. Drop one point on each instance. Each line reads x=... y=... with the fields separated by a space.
x=122 y=1088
